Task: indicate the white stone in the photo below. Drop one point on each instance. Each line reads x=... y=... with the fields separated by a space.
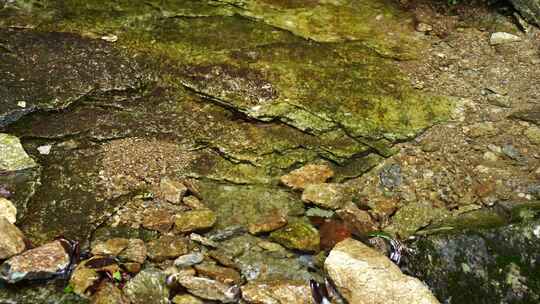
x=44 y=150
x=502 y=38
x=364 y=276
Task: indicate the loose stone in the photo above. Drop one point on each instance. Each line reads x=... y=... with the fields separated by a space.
x=147 y=287
x=172 y=191
x=210 y=289
x=309 y=174
x=39 y=263
x=329 y=196
x=219 y=273
x=194 y=220
x=110 y=247
x=188 y=260
x=363 y=275
x=11 y=239
x=503 y=38
x=278 y=291
x=167 y=247
x=8 y=210
x=297 y=235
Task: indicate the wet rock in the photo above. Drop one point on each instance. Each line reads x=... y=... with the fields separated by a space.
x=329 y=196
x=531 y=114
x=423 y=27
x=14 y=158
x=158 y=219
x=318 y=212
x=270 y=223
x=243 y=205
x=188 y=260
x=529 y=9
x=363 y=275
x=277 y=292
x=194 y=220
x=297 y=235
x=110 y=247
x=8 y=210
x=172 y=191
x=186 y=299
x=359 y=220
x=148 y=286
x=222 y=274
x=210 y=289
x=390 y=176
x=481 y=260
x=64 y=68
x=39 y=263
x=332 y=232
x=108 y=293
x=11 y=239
x=255 y=263
x=503 y=38
x=414 y=216
x=309 y=174
x=167 y=247
x=134 y=252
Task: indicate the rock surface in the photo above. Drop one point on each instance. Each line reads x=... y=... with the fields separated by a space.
x=8 y=210
x=277 y=292
x=194 y=220
x=14 y=158
x=147 y=287
x=502 y=38
x=329 y=196
x=210 y=289
x=310 y=174
x=39 y=263
x=11 y=239
x=476 y=259
x=529 y=9
x=167 y=247
x=364 y=276
x=297 y=235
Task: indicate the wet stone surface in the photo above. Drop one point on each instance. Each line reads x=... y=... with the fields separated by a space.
x=197 y=149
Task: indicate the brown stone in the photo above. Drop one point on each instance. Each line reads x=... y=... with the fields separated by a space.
x=359 y=220
x=219 y=273
x=309 y=174
x=167 y=247
x=282 y=291
x=110 y=247
x=11 y=239
x=193 y=203
x=158 y=219
x=273 y=221
x=108 y=293
x=328 y=196
x=135 y=251
x=172 y=191
x=194 y=220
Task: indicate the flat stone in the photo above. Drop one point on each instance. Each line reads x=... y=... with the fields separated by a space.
x=134 y=252
x=210 y=289
x=503 y=38
x=329 y=196
x=219 y=273
x=188 y=260
x=363 y=275
x=172 y=191
x=14 y=158
x=11 y=239
x=39 y=263
x=110 y=247
x=148 y=286
x=8 y=210
x=186 y=299
x=298 y=235
x=309 y=174
x=194 y=220
x=72 y=66
x=167 y=247
x=277 y=292
x=269 y=223
x=158 y=219
x=414 y=216
x=108 y=293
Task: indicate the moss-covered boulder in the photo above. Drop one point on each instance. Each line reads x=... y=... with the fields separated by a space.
x=482 y=258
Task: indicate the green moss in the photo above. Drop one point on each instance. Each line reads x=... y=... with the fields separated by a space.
x=299 y=235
